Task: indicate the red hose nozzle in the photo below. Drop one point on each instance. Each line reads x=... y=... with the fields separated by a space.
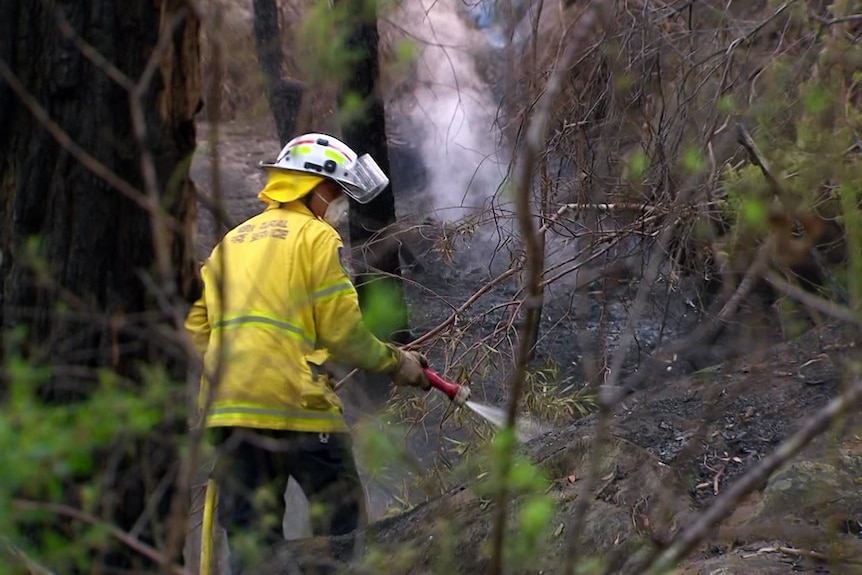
x=458 y=394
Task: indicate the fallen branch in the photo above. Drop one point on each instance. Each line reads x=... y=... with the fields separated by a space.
x=726 y=503
x=611 y=207
x=809 y=553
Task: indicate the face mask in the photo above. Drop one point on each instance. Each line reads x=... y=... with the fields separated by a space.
x=336 y=211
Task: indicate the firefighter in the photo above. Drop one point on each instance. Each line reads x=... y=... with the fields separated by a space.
x=277 y=303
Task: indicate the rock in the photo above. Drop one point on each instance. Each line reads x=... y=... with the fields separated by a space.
x=811 y=492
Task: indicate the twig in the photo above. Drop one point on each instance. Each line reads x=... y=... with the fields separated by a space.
x=448 y=321
x=118 y=534
x=823 y=306
x=66 y=142
x=725 y=504
x=747 y=142
x=757 y=158
x=32 y=566
x=747 y=36
x=162 y=247
x=717 y=479
x=812 y=554
x=841 y=19
x=612 y=207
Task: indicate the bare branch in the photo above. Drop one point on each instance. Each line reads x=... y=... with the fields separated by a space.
x=842 y=19
x=118 y=534
x=66 y=141
x=747 y=142
x=824 y=306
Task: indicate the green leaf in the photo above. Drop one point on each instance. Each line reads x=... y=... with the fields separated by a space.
x=694 y=160
x=504 y=442
x=523 y=475
x=817 y=99
x=383 y=308
x=352 y=108
x=406 y=52
x=754 y=212
x=535 y=515
x=638 y=164
x=726 y=104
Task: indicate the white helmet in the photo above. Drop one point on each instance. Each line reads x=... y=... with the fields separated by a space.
x=361 y=178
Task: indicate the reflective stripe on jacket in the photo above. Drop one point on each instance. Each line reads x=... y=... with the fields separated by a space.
x=276 y=302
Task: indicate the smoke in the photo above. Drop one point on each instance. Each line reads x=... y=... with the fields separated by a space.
x=450 y=109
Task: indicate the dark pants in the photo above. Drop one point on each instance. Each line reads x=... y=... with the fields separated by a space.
x=252 y=469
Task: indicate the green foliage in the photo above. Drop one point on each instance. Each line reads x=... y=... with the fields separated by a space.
x=534 y=520
x=637 y=166
x=818 y=99
x=851 y=197
x=746 y=204
x=693 y=160
x=54 y=453
x=320 y=44
x=380 y=447
x=551 y=396
x=382 y=308
x=406 y=53
x=499 y=465
x=384 y=560
x=807 y=120
x=353 y=107
x=726 y=104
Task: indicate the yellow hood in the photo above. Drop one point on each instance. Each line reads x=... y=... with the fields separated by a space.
x=286 y=186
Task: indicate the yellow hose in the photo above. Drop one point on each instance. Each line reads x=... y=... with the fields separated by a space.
x=207 y=529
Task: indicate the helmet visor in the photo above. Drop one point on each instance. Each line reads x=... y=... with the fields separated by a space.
x=367 y=180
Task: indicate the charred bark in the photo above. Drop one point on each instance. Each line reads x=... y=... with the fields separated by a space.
x=77 y=269
x=285 y=96
x=379 y=269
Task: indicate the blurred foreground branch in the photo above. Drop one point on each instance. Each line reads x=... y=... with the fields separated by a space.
x=584 y=27
x=728 y=501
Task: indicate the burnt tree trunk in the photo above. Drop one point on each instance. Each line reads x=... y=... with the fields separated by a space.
x=285 y=96
x=379 y=277
x=77 y=257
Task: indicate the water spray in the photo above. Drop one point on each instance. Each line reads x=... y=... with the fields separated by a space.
x=459 y=395
x=525 y=428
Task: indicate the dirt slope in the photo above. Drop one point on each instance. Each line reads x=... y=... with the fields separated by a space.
x=658 y=469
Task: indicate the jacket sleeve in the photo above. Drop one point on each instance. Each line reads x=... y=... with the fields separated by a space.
x=198 y=324
x=337 y=317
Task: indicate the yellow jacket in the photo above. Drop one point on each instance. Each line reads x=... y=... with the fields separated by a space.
x=276 y=303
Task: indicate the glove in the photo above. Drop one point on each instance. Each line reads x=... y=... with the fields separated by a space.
x=411 y=369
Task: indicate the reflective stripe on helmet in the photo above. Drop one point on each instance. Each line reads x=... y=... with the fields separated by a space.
x=333 y=155
x=346 y=152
